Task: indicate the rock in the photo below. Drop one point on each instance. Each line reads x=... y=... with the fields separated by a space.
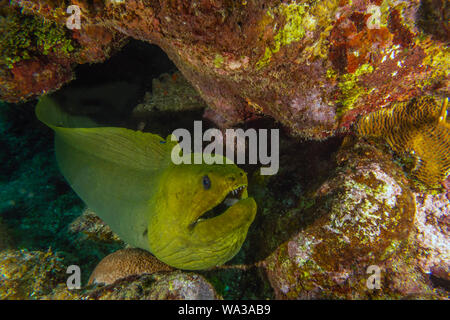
x=362 y=218
x=175 y=285
x=29 y=274
x=93 y=228
x=433 y=233
x=170 y=92
x=37 y=52
x=312 y=66
x=180 y=286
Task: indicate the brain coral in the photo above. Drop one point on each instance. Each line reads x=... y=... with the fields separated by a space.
x=124 y=263
x=418 y=127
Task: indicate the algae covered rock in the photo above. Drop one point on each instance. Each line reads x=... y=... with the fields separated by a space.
x=313 y=66
x=29 y=274
x=180 y=286
x=37 y=50
x=175 y=285
x=363 y=218
x=42 y=275
x=433 y=234
x=170 y=92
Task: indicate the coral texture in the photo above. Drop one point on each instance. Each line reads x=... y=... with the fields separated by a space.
x=29 y=274
x=175 y=285
x=314 y=66
x=419 y=128
x=363 y=218
x=170 y=92
x=124 y=263
x=37 y=51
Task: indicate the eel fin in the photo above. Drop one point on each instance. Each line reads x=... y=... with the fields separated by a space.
x=125 y=147
x=115 y=171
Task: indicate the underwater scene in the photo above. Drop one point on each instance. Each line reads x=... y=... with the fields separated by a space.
x=224 y=150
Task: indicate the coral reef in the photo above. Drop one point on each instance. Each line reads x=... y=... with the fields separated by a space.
x=355 y=202
x=170 y=92
x=418 y=128
x=337 y=211
x=125 y=263
x=175 y=285
x=362 y=217
x=25 y=35
x=42 y=275
x=29 y=274
x=171 y=97
x=37 y=51
x=312 y=66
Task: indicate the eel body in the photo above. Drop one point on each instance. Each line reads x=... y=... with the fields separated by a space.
x=190 y=216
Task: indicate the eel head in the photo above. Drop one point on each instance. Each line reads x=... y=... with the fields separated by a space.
x=202 y=215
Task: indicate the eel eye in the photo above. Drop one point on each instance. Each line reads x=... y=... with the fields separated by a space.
x=206 y=182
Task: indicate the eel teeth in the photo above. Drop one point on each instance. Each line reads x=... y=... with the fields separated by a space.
x=236 y=191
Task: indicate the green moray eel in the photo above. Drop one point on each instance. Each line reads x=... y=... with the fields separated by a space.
x=127 y=177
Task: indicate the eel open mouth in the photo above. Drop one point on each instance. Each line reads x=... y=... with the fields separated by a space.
x=232 y=197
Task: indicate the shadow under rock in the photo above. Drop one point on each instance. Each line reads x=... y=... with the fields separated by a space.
x=286 y=202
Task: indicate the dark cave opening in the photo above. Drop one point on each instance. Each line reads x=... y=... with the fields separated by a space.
x=137 y=62
x=109 y=91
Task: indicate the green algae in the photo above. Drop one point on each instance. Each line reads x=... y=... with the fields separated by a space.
x=218 y=61
x=350 y=89
x=23 y=36
x=297 y=21
x=29 y=274
x=437 y=60
x=369 y=212
x=380 y=14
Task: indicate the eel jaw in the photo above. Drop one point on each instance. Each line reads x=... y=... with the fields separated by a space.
x=228 y=200
x=208 y=241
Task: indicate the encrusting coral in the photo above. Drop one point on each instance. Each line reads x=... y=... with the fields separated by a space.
x=432 y=233
x=29 y=274
x=363 y=217
x=171 y=92
x=418 y=127
x=313 y=66
x=175 y=285
x=124 y=263
x=37 y=50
